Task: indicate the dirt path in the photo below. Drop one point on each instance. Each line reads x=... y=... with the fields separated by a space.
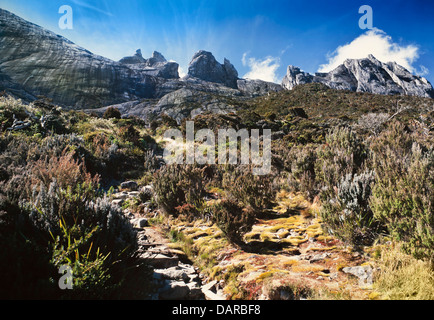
x=288 y=257
x=285 y=258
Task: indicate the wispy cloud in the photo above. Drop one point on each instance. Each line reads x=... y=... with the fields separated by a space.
x=380 y=45
x=423 y=71
x=91 y=7
x=264 y=69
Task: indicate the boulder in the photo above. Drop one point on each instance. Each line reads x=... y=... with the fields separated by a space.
x=364 y=273
x=140 y=222
x=212 y=292
x=160 y=261
x=133 y=194
x=131 y=185
x=120 y=195
x=173 y=273
x=118 y=202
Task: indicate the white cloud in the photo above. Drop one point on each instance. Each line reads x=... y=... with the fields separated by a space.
x=377 y=43
x=181 y=72
x=261 y=69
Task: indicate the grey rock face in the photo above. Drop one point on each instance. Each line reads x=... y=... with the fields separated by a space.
x=365 y=75
x=47 y=64
x=132 y=185
x=136 y=59
x=294 y=76
x=156 y=66
x=44 y=63
x=257 y=87
x=186 y=103
x=205 y=67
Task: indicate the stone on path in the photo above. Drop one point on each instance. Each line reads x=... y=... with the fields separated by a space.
x=131 y=185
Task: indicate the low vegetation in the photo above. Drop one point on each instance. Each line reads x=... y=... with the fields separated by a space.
x=359 y=166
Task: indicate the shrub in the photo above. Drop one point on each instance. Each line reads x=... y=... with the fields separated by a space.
x=25 y=268
x=99 y=144
x=346 y=212
x=112 y=112
x=151 y=163
x=373 y=122
x=65 y=170
x=402 y=197
x=85 y=232
x=187 y=211
x=55 y=146
x=175 y=185
x=233 y=219
x=53 y=122
x=129 y=134
x=60 y=205
x=302 y=170
x=342 y=154
x=168 y=121
x=242 y=185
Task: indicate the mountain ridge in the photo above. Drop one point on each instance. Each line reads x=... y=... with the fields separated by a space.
x=37 y=62
x=364 y=75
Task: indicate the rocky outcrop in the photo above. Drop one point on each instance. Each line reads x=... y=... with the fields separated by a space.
x=257 y=87
x=156 y=66
x=205 y=67
x=365 y=75
x=294 y=76
x=136 y=59
x=44 y=63
x=187 y=103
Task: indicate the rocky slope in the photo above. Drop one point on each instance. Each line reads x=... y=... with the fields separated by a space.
x=365 y=75
x=39 y=62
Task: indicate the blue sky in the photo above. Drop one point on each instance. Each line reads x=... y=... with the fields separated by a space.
x=261 y=38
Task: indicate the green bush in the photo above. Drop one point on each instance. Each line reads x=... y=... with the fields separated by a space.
x=346 y=213
x=175 y=185
x=129 y=134
x=343 y=153
x=112 y=112
x=25 y=268
x=403 y=195
x=85 y=232
x=53 y=215
x=233 y=219
x=302 y=170
x=256 y=191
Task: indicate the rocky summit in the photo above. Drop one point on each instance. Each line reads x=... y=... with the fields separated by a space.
x=365 y=75
x=204 y=66
x=156 y=66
